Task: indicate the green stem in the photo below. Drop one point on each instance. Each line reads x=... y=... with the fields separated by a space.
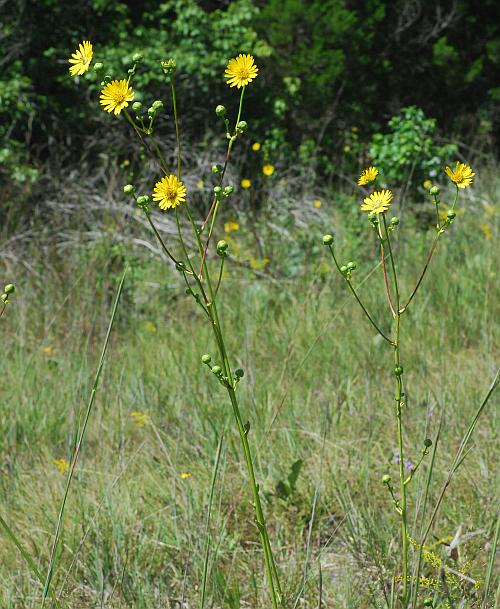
x=160 y=240
x=177 y=130
x=399 y=405
x=359 y=300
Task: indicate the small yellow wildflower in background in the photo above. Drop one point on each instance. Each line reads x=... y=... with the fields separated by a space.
x=81 y=59
x=116 y=95
x=200 y=184
x=49 y=350
x=257 y=264
x=367 y=176
x=140 y=418
x=268 y=170
x=347 y=148
x=462 y=176
x=487 y=232
x=240 y=71
x=245 y=183
x=316 y=203
x=427 y=184
x=229 y=227
x=185 y=475
x=169 y=192
x=256 y=147
x=150 y=326
x=62 y=465
x=377 y=202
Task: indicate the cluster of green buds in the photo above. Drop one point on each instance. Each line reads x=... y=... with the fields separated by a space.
x=348 y=269
x=393 y=224
x=223 y=193
x=373 y=219
x=239 y=373
x=217 y=168
x=222 y=248
x=143 y=201
x=10 y=288
x=168 y=66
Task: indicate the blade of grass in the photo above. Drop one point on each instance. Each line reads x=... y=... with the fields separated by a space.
x=491 y=563
x=50 y=571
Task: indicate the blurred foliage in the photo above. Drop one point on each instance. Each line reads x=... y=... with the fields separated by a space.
x=332 y=73
x=408 y=150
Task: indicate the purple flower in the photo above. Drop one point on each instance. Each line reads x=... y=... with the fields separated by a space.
x=407 y=463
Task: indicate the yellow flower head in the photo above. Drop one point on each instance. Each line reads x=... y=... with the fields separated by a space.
x=377 y=202
x=367 y=176
x=245 y=183
x=62 y=465
x=169 y=192
x=116 y=95
x=316 y=203
x=140 y=418
x=427 y=184
x=256 y=146
x=229 y=227
x=240 y=71
x=268 y=170
x=81 y=59
x=185 y=475
x=462 y=176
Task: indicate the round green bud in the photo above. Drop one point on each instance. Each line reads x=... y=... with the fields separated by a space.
x=136 y=106
x=128 y=189
x=151 y=110
x=217 y=190
x=394 y=221
x=239 y=373
x=216 y=369
x=157 y=104
x=343 y=269
x=222 y=246
x=143 y=200
x=220 y=111
x=451 y=215
x=169 y=66
x=398 y=370
x=428 y=602
x=98 y=66
x=228 y=190
x=351 y=266
x=242 y=126
x=386 y=479
x=136 y=57
x=434 y=190
x=10 y=288
x=206 y=359
x=327 y=239
x=427 y=443
x=216 y=168
x=4 y=297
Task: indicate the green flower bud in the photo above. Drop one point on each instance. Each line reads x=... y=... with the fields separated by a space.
x=151 y=111
x=343 y=269
x=216 y=168
x=451 y=215
x=131 y=71
x=220 y=111
x=128 y=189
x=157 y=104
x=242 y=126
x=327 y=239
x=394 y=221
x=216 y=369
x=351 y=266
x=10 y=288
x=4 y=297
x=217 y=190
x=428 y=602
x=227 y=191
x=239 y=373
x=222 y=247
x=434 y=191
x=168 y=66
x=143 y=200
x=427 y=443
x=136 y=57
x=137 y=106
x=398 y=370
x=98 y=66
x=206 y=359
x=386 y=479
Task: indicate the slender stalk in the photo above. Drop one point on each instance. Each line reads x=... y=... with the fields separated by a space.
x=161 y=242
x=399 y=406
x=359 y=300
x=177 y=130
x=78 y=445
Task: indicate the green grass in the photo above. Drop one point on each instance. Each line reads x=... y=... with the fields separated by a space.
x=318 y=387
